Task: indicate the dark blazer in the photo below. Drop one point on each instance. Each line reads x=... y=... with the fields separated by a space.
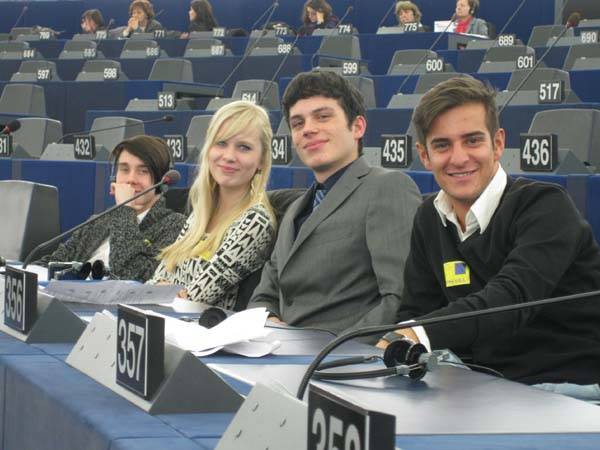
x=344 y=269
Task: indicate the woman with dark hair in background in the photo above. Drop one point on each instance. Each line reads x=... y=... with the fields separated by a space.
x=201 y=17
x=317 y=14
x=141 y=18
x=92 y=21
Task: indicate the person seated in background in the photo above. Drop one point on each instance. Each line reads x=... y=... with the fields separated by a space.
x=92 y=21
x=340 y=245
x=201 y=17
x=465 y=20
x=408 y=12
x=317 y=14
x=129 y=239
x=141 y=18
x=229 y=233
x=487 y=240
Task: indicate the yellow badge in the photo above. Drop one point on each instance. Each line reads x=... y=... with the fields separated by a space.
x=457 y=273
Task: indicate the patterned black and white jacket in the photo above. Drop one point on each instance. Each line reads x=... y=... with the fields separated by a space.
x=133 y=246
x=245 y=248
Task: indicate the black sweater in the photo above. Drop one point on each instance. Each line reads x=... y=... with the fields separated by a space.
x=536 y=246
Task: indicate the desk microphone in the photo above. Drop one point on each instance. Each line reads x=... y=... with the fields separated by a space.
x=11 y=127
x=392 y=6
x=23 y=11
x=450 y=23
x=167 y=118
x=532 y=70
x=272 y=5
x=279 y=68
x=412 y=355
x=249 y=50
x=171 y=177
x=327 y=36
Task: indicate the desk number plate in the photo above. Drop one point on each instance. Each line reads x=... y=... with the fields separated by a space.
x=84 y=147
x=140 y=351
x=396 y=151
x=281 y=153
x=178 y=145
x=20 y=299
x=334 y=423
x=539 y=152
x=6 y=146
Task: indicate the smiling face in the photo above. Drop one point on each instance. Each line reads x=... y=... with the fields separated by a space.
x=322 y=137
x=133 y=171
x=234 y=161
x=461 y=153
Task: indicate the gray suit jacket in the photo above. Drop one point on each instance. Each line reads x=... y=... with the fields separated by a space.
x=345 y=268
x=478 y=26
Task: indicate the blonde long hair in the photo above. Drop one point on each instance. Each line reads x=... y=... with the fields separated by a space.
x=204 y=193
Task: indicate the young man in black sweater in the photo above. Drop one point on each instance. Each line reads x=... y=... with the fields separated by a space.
x=486 y=240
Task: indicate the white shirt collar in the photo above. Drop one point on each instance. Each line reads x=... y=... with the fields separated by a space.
x=141 y=215
x=481 y=212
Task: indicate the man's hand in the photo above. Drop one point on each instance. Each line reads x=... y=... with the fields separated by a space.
x=407 y=333
x=124 y=191
x=276 y=319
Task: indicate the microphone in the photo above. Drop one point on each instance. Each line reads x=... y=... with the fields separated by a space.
x=392 y=6
x=380 y=329
x=510 y=19
x=23 y=11
x=249 y=51
x=167 y=118
x=169 y=178
x=279 y=68
x=425 y=54
x=111 y=22
x=532 y=71
x=272 y=5
x=159 y=13
x=11 y=127
x=326 y=38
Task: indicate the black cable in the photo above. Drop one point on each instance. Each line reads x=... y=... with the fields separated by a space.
x=381 y=329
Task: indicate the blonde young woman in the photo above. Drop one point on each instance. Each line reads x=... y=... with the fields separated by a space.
x=229 y=233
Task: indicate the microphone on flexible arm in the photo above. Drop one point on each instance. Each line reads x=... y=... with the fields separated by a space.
x=266 y=11
x=532 y=70
x=159 y=13
x=327 y=36
x=23 y=11
x=392 y=6
x=426 y=53
x=10 y=127
x=249 y=50
x=279 y=68
x=510 y=19
x=111 y=22
x=167 y=118
x=171 y=177
x=381 y=329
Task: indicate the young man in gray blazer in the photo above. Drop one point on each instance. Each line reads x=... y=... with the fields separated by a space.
x=340 y=252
